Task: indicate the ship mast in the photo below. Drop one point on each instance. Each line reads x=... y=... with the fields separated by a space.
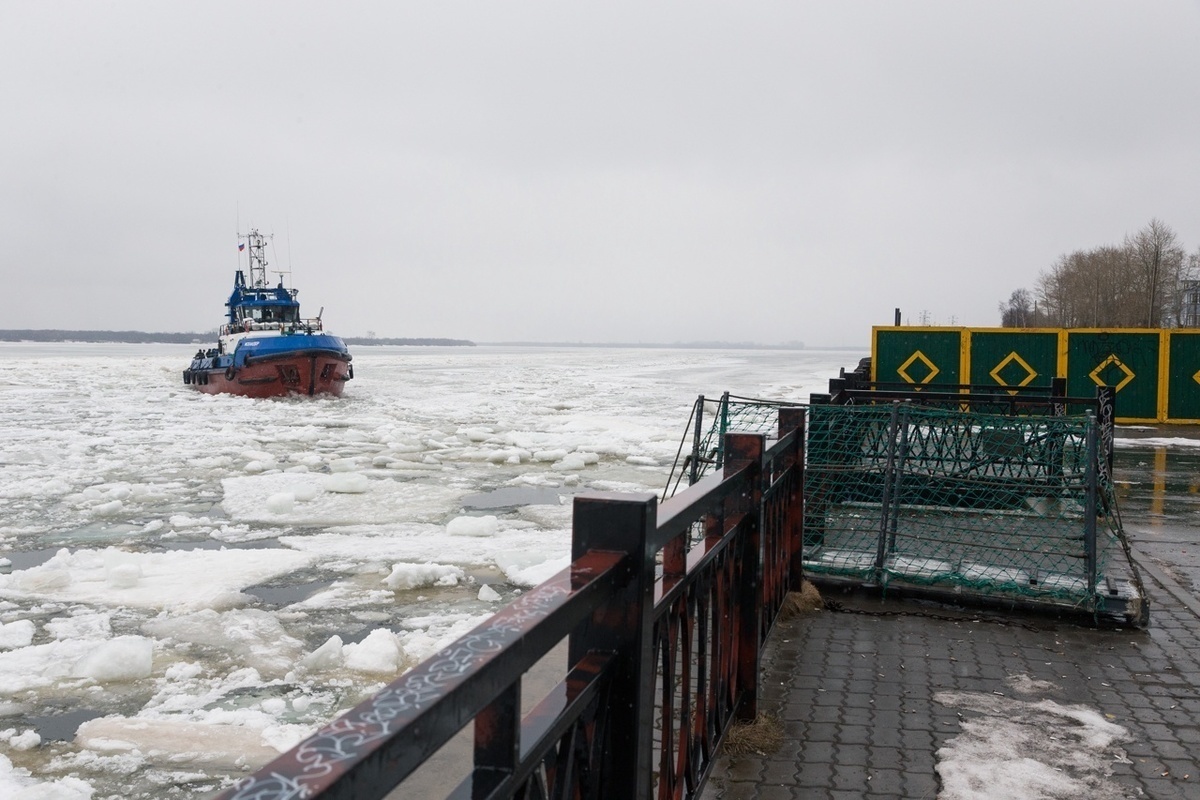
x=257 y=245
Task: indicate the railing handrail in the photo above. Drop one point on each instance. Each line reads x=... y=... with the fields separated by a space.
x=620 y=612
x=453 y=673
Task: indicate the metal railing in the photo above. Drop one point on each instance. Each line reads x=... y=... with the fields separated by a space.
x=664 y=609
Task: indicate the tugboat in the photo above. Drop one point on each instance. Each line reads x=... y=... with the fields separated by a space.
x=265 y=348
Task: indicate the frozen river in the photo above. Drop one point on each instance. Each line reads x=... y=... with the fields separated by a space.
x=192 y=583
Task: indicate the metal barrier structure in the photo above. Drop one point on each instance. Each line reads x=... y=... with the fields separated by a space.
x=1013 y=509
x=665 y=608
x=1155 y=372
x=958 y=492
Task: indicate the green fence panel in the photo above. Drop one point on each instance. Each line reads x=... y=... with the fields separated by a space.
x=918 y=356
x=1123 y=359
x=966 y=501
x=1013 y=358
x=1183 y=380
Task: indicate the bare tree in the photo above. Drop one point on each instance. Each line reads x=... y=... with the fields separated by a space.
x=1159 y=261
x=1017 y=311
x=1139 y=283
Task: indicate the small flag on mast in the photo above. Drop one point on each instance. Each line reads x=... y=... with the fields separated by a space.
x=241 y=246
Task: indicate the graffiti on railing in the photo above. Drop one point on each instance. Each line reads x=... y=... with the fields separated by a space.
x=677 y=644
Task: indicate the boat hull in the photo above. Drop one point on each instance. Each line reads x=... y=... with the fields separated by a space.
x=300 y=373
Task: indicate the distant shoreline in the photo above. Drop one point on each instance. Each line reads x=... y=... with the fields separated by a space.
x=683 y=345
x=143 y=337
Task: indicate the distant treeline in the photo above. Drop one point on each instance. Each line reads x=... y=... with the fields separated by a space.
x=356 y=340
x=103 y=336
x=139 y=337
x=1149 y=280
x=714 y=345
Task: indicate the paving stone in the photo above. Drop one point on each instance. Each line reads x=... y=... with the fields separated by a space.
x=818 y=752
x=815 y=774
x=919 y=785
x=822 y=732
x=1163 y=789
x=1189 y=736
x=849 y=778
x=826 y=714
x=886 y=733
x=858 y=717
x=779 y=773
x=885 y=782
x=876 y=728
x=885 y=758
x=744 y=768
x=852 y=755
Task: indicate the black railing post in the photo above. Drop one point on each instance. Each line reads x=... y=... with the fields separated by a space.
x=497 y=741
x=622 y=523
x=898 y=469
x=722 y=427
x=1090 y=506
x=836 y=388
x=697 y=434
x=1106 y=413
x=794 y=419
x=1054 y=443
x=1058 y=395
x=742 y=449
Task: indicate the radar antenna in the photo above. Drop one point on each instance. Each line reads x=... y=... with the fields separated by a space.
x=256 y=243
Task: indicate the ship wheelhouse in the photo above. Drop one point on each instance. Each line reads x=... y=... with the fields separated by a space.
x=263 y=307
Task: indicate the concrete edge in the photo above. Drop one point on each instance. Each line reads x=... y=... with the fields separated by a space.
x=1165 y=581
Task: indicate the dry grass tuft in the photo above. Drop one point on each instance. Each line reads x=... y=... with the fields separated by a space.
x=762 y=737
x=807 y=600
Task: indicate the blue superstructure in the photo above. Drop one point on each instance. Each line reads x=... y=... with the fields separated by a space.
x=265 y=347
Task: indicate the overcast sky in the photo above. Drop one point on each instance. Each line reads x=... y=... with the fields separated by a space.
x=557 y=171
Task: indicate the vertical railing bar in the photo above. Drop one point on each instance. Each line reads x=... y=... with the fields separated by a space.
x=623 y=523
x=794 y=419
x=722 y=454
x=497 y=741
x=1106 y=397
x=1089 y=514
x=694 y=473
x=885 y=500
x=741 y=448
x=898 y=482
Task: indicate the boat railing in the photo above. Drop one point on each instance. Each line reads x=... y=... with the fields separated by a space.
x=295 y=326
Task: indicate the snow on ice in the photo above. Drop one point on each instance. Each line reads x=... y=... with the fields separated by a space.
x=210 y=578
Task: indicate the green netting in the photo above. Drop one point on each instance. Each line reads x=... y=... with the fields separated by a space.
x=995 y=504
x=736 y=415
x=932 y=496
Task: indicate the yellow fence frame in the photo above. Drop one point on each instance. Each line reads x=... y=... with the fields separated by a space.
x=1063 y=340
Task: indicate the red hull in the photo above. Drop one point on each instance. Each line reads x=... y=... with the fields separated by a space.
x=277 y=377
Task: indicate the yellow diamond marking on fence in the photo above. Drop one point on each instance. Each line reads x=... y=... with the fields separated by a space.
x=1196 y=377
x=918 y=356
x=1012 y=357
x=1112 y=360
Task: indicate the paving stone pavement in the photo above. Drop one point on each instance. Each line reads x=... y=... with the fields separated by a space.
x=869 y=694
